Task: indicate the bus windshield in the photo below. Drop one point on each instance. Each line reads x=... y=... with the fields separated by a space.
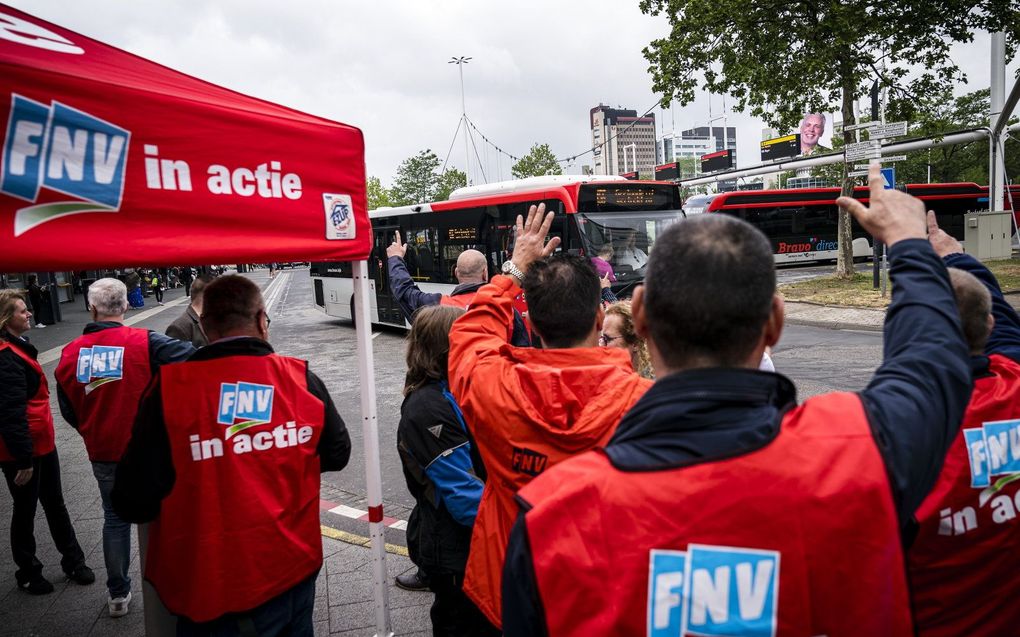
x=624 y=239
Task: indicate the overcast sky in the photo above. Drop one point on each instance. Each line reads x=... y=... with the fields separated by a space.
x=538 y=67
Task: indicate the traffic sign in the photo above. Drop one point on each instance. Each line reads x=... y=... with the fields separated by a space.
x=863 y=150
x=861 y=125
x=895 y=158
x=858 y=173
x=889 y=176
x=884 y=131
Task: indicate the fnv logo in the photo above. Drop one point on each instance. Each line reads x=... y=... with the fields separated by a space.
x=64 y=150
x=713 y=590
x=993 y=450
x=244 y=405
x=98 y=365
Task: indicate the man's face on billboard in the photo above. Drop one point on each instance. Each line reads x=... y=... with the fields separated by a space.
x=811 y=130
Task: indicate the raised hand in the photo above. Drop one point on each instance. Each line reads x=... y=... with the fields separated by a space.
x=530 y=245
x=943 y=243
x=396 y=249
x=891 y=215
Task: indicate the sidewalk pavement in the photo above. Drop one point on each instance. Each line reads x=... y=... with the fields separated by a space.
x=344 y=592
x=849 y=318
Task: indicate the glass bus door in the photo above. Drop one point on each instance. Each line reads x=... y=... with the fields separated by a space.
x=386 y=306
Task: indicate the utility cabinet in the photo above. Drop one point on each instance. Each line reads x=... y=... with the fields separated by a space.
x=987 y=235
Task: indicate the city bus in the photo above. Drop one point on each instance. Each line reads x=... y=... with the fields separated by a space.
x=801 y=223
x=590 y=212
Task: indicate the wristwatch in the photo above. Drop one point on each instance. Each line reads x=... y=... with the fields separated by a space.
x=510 y=269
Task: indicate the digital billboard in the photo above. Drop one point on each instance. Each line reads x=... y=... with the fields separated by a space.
x=714 y=162
x=780 y=147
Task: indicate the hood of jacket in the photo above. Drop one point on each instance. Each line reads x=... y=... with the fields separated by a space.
x=575 y=394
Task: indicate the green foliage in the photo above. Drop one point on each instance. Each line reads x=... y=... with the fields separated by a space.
x=378 y=197
x=782 y=59
x=449 y=181
x=539 y=161
x=417 y=180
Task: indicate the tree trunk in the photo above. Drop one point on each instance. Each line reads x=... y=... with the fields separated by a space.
x=844 y=238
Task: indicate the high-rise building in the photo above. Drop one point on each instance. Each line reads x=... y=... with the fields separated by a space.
x=623 y=142
x=722 y=137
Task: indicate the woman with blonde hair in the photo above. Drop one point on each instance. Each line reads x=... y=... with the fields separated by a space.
x=28 y=455
x=618 y=331
x=442 y=473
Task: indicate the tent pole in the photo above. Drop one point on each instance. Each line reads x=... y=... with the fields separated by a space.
x=370 y=435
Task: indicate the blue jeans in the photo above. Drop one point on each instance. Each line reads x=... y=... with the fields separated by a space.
x=116 y=534
x=289 y=613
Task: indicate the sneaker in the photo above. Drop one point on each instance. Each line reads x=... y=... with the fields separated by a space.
x=40 y=325
x=37 y=585
x=119 y=605
x=161 y=302
x=81 y=574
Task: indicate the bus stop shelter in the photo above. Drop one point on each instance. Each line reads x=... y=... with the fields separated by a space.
x=109 y=159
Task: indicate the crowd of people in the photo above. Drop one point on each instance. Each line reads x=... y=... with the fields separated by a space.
x=597 y=466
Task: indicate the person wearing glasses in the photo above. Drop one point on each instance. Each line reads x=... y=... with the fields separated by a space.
x=618 y=331
x=224 y=462
x=100 y=379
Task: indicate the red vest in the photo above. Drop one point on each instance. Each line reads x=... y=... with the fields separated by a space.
x=104 y=374
x=463 y=301
x=798 y=538
x=241 y=524
x=965 y=563
x=40 y=419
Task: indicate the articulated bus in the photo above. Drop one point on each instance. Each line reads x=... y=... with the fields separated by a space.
x=801 y=223
x=590 y=212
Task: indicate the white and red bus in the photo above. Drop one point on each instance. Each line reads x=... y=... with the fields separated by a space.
x=590 y=212
x=801 y=223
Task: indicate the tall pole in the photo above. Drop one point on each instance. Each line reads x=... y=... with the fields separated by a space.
x=997 y=95
x=460 y=62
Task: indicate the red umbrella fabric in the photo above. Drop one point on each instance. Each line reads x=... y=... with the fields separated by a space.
x=111 y=159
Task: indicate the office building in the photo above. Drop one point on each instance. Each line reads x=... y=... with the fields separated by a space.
x=623 y=142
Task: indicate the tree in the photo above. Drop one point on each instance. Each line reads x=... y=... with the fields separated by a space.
x=449 y=181
x=783 y=59
x=539 y=161
x=378 y=197
x=417 y=180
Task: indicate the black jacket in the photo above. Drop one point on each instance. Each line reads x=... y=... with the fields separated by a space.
x=914 y=404
x=18 y=383
x=145 y=475
x=162 y=350
x=439 y=470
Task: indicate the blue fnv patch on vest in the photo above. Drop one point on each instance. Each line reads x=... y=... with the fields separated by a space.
x=665 y=592
x=244 y=405
x=98 y=365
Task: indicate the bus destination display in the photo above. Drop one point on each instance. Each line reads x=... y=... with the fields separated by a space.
x=780 y=147
x=625 y=197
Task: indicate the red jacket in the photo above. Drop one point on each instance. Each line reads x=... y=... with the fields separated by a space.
x=797 y=538
x=529 y=409
x=965 y=562
x=103 y=374
x=38 y=414
x=249 y=426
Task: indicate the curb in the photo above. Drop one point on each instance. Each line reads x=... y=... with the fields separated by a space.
x=834 y=325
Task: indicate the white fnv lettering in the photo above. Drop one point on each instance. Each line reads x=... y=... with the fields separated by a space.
x=710 y=596
x=751 y=597
x=666 y=597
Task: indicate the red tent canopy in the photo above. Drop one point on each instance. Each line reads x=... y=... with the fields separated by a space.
x=110 y=159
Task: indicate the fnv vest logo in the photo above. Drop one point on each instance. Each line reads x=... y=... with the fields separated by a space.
x=713 y=590
x=98 y=365
x=993 y=450
x=64 y=150
x=244 y=405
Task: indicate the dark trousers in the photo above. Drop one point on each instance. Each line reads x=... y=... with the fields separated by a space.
x=159 y=294
x=44 y=488
x=453 y=613
x=289 y=613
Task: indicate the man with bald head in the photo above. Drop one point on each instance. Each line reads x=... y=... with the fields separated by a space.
x=471 y=272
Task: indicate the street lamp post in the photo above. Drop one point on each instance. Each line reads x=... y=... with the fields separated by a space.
x=460 y=62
